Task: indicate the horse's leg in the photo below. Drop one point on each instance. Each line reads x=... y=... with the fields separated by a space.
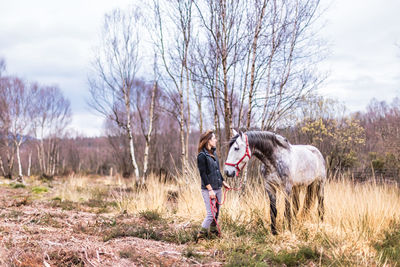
x=271 y=190
x=309 y=199
x=288 y=213
x=296 y=200
x=320 y=192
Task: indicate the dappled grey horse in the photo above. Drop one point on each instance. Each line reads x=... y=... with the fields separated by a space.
x=284 y=166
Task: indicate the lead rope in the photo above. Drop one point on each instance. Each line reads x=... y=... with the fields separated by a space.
x=214 y=208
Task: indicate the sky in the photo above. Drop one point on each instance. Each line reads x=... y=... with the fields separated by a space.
x=52 y=42
x=364 y=60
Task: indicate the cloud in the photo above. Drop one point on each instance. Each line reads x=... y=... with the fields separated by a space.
x=51 y=42
x=364 y=61
x=86 y=124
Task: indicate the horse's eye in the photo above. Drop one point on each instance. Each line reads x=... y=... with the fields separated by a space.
x=236 y=148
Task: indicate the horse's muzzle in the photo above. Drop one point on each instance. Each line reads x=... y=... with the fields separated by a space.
x=230 y=173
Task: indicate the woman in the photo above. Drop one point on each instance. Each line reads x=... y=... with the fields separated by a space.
x=211 y=181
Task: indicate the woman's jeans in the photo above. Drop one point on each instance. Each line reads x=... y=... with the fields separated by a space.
x=209 y=220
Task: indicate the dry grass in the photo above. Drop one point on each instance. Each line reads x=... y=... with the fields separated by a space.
x=356 y=217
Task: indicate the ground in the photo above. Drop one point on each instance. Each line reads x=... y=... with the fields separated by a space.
x=39 y=232
x=111 y=221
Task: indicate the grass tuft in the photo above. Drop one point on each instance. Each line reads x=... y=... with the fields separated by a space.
x=140 y=232
x=57 y=202
x=151 y=215
x=39 y=189
x=389 y=248
x=126 y=254
x=17 y=185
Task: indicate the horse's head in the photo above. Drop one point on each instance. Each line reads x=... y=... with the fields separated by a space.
x=238 y=155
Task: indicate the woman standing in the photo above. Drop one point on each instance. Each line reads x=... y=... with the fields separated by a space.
x=211 y=181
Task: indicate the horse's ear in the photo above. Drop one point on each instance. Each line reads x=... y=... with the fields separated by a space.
x=240 y=133
x=234 y=132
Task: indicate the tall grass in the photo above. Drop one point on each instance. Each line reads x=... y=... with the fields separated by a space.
x=356 y=215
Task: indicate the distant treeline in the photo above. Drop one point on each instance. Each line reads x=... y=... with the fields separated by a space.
x=364 y=145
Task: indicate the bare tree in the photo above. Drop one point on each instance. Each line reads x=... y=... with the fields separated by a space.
x=7 y=146
x=175 y=60
x=51 y=113
x=223 y=21
x=2 y=66
x=290 y=72
x=146 y=124
x=16 y=95
x=115 y=67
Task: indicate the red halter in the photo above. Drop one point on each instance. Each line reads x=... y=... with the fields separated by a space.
x=247 y=154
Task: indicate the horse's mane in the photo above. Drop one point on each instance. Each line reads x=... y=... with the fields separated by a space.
x=263 y=139
x=233 y=140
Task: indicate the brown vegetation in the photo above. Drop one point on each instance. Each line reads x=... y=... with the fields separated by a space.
x=79 y=221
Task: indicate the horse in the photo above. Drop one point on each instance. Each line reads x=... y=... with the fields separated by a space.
x=286 y=166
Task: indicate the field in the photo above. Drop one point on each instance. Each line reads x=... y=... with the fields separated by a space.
x=107 y=221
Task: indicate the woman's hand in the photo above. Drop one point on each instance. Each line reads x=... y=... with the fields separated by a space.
x=226 y=185
x=211 y=194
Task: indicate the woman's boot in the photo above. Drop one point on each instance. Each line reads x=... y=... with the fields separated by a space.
x=203 y=233
x=214 y=229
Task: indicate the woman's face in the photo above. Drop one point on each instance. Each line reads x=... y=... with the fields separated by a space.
x=213 y=142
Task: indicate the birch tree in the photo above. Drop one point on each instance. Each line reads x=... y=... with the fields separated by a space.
x=17 y=116
x=51 y=114
x=146 y=122
x=114 y=71
x=177 y=14
x=6 y=144
x=293 y=52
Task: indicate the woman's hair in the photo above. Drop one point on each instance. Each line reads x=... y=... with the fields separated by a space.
x=204 y=138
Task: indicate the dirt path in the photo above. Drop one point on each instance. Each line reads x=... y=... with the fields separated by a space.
x=36 y=232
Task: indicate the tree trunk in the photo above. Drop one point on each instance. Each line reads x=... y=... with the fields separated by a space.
x=39 y=158
x=55 y=158
x=197 y=98
x=253 y=63
x=29 y=164
x=17 y=146
x=10 y=164
x=181 y=123
x=182 y=132
x=216 y=115
x=244 y=91
x=150 y=130
x=132 y=151
x=188 y=109
x=224 y=61
x=130 y=135
x=2 y=167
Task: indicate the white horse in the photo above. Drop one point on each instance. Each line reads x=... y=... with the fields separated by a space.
x=284 y=165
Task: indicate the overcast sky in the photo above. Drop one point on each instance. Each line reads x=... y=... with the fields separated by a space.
x=51 y=42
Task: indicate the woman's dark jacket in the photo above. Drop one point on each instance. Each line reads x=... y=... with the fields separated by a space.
x=209 y=169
